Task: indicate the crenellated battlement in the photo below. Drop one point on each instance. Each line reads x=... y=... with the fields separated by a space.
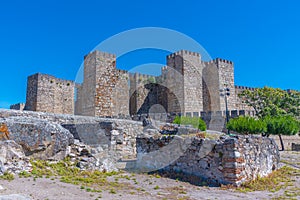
x=121 y=71
x=141 y=76
x=100 y=54
x=220 y=60
x=184 y=52
x=244 y=88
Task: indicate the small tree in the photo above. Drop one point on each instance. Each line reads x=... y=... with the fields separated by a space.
x=282 y=125
x=247 y=125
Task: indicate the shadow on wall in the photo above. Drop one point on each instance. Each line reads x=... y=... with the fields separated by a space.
x=155 y=100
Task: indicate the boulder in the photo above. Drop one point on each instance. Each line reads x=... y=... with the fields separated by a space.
x=12 y=158
x=39 y=138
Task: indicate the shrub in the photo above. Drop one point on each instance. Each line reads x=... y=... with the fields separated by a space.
x=247 y=125
x=196 y=122
x=285 y=125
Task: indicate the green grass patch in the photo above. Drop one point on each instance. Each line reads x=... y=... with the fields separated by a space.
x=277 y=180
x=7 y=176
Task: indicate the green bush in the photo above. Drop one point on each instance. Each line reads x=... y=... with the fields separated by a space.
x=196 y=122
x=285 y=125
x=247 y=125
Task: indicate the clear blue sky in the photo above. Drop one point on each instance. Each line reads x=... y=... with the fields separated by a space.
x=261 y=37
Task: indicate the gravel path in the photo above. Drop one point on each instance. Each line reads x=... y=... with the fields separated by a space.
x=138 y=186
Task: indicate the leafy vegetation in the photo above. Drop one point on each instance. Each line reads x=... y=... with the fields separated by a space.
x=247 y=125
x=69 y=173
x=7 y=176
x=196 y=122
x=272 y=102
x=276 y=125
x=281 y=125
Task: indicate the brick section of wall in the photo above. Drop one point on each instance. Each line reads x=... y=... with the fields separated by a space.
x=47 y=93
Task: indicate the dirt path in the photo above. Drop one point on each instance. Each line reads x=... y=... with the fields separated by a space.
x=140 y=186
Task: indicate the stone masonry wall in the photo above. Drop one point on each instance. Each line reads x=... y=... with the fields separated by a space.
x=240 y=105
x=47 y=93
x=226 y=80
x=211 y=86
x=142 y=93
x=120 y=97
x=173 y=74
x=193 y=90
x=105 y=90
x=231 y=160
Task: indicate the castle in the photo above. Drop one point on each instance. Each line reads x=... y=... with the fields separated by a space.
x=187 y=86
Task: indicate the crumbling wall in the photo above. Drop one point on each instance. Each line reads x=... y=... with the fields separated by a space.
x=231 y=160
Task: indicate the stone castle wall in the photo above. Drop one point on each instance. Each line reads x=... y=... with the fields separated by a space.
x=187 y=86
x=47 y=93
x=226 y=80
x=173 y=79
x=193 y=89
x=240 y=105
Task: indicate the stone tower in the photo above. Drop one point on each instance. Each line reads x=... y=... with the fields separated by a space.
x=46 y=93
x=104 y=91
x=226 y=80
x=184 y=80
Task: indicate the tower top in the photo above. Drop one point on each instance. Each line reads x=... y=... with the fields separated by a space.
x=183 y=53
x=100 y=54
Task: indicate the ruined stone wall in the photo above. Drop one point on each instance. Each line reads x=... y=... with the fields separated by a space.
x=231 y=160
x=109 y=134
x=47 y=93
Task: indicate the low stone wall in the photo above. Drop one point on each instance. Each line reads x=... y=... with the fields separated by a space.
x=295 y=147
x=231 y=160
x=287 y=140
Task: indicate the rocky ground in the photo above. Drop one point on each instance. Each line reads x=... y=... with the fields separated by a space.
x=141 y=186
